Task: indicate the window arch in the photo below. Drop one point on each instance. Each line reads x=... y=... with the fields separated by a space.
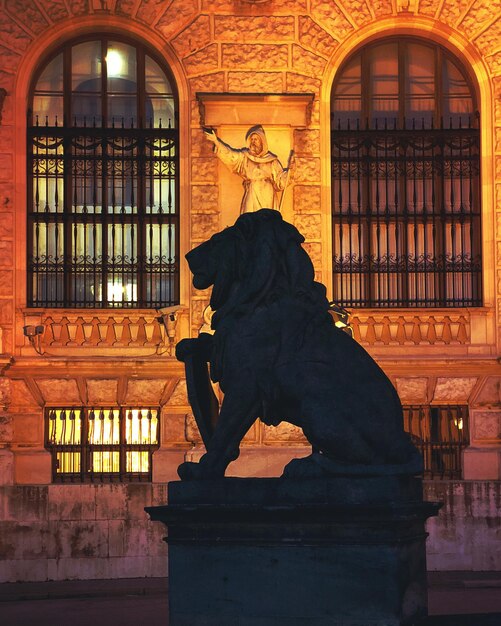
x=405 y=179
x=103 y=179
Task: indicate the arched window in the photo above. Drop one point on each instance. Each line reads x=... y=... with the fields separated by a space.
x=405 y=179
x=103 y=179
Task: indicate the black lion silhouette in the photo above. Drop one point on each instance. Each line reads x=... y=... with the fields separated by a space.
x=278 y=356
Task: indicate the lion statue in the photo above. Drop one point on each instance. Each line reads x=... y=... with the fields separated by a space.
x=278 y=356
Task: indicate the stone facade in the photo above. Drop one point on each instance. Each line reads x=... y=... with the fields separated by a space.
x=273 y=63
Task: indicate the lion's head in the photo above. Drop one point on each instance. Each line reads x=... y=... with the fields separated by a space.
x=258 y=259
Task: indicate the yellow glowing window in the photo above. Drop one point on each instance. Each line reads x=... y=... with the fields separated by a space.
x=102 y=443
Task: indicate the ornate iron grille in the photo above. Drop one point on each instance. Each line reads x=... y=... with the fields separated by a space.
x=101 y=444
x=440 y=433
x=103 y=223
x=406 y=216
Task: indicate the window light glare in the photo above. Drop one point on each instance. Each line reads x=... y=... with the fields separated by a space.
x=115 y=63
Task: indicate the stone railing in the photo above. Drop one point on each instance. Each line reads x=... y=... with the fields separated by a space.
x=135 y=332
x=407 y=328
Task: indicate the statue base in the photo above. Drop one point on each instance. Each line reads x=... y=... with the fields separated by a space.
x=344 y=551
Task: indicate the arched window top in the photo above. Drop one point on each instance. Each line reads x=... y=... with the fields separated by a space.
x=403 y=83
x=106 y=83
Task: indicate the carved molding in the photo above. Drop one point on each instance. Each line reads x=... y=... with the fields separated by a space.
x=281 y=109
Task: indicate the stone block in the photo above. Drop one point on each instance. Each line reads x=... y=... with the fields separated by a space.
x=307 y=170
x=125 y=7
x=137 y=496
x=382 y=7
x=6 y=169
x=149 y=10
x=6 y=253
x=32 y=467
x=412 y=390
x=20 y=396
x=193 y=37
x=23 y=540
x=172 y=428
x=130 y=538
x=307 y=62
x=72 y=502
x=6 y=467
x=59 y=391
x=203 y=61
x=306 y=198
x=255 y=82
x=204 y=197
x=21 y=570
x=10 y=63
x=481 y=464
x=23 y=504
x=6 y=277
x=477 y=17
x=297 y=83
x=204 y=225
x=255 y=56
x=145 y=392
x=199 y=144
x=165 y=464
x=331 y=18
x=204 y=169
x=6 y=429
x=209 y=82
x=6 y=219
x=179 y=396
x=309 y=225
x=486 y=425
x=455 y=390
x=176 y=15
x=6 y=312
x=490 y=393
x=56 y=10
x=315 y=37
x=78 y=539
x=306 y=142
x=12 y=34
x=494 y=63
x=86 y=568
x=110 y=501
x=102 y=391
x=28 y=429
x=242 y=29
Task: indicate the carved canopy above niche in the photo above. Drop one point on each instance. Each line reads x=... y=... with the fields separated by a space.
x=284 y=109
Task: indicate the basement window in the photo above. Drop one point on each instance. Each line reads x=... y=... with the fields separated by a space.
x=104 y=444
x=440 y=433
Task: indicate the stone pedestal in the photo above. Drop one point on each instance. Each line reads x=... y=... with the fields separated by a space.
x=282 y=552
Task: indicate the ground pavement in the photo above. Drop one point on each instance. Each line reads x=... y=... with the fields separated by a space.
x=455 y=599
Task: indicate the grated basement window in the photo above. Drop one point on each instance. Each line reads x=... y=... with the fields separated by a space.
x=440 y=433
x=101 y=444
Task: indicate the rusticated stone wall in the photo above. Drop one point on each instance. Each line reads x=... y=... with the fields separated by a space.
x=228 y=47
x=60 y=532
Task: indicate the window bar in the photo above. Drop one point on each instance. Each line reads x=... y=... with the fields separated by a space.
x=376 y=268
x=356 y=281
x=425 y=157
x=453 y=261
x=389 y=282
x=94 y=218
x=415 y=261
x=398 y=227
x=462 y=215
x=443 y=215
x=340 y=223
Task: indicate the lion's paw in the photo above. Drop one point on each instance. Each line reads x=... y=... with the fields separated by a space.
x=190 y=471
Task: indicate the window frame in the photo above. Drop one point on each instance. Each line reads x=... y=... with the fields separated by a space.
x=86 y=449
x=69 y=217
x=443 y=280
